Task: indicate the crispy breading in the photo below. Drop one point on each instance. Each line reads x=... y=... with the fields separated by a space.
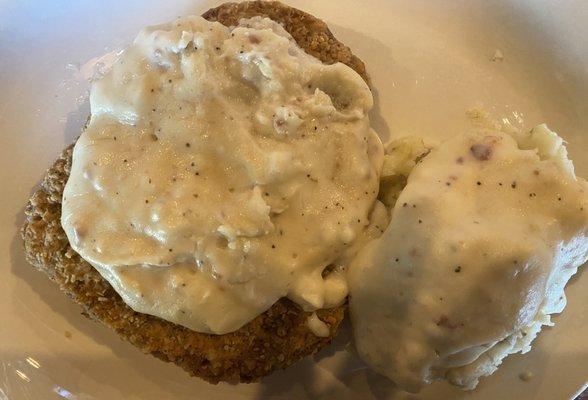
x=311 y=33
x=274 y=340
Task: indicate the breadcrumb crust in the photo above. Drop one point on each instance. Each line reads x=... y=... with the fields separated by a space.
x=274 y=340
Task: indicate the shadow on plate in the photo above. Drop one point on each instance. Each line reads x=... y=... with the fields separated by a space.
x=365 y=47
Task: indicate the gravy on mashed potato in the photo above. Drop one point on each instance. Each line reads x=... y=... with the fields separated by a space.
x=483 y=238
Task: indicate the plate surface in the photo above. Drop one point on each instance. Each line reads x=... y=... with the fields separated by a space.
x=429 y=62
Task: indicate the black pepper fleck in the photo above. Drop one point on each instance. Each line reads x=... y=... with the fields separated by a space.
x=513 y=185
x=457 y=269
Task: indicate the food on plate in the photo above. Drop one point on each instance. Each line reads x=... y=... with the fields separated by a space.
x=400 y=158
x=482 y=241
x=228 y=193
x=221 y=170
x=226 y=173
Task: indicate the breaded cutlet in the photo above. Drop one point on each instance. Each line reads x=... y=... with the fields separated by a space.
x=274 y=340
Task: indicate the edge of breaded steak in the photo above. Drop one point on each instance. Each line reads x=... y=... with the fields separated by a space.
x=274 y=340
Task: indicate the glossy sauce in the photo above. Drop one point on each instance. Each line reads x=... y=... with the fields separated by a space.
x=222 y=169
x=483 y=239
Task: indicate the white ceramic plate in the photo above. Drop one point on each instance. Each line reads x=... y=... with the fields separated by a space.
x=429 y=61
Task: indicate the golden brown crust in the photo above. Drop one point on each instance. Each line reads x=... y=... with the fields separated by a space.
x=312 y=34
x=274 y=340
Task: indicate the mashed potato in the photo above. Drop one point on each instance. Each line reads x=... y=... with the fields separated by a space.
x=483 y=238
